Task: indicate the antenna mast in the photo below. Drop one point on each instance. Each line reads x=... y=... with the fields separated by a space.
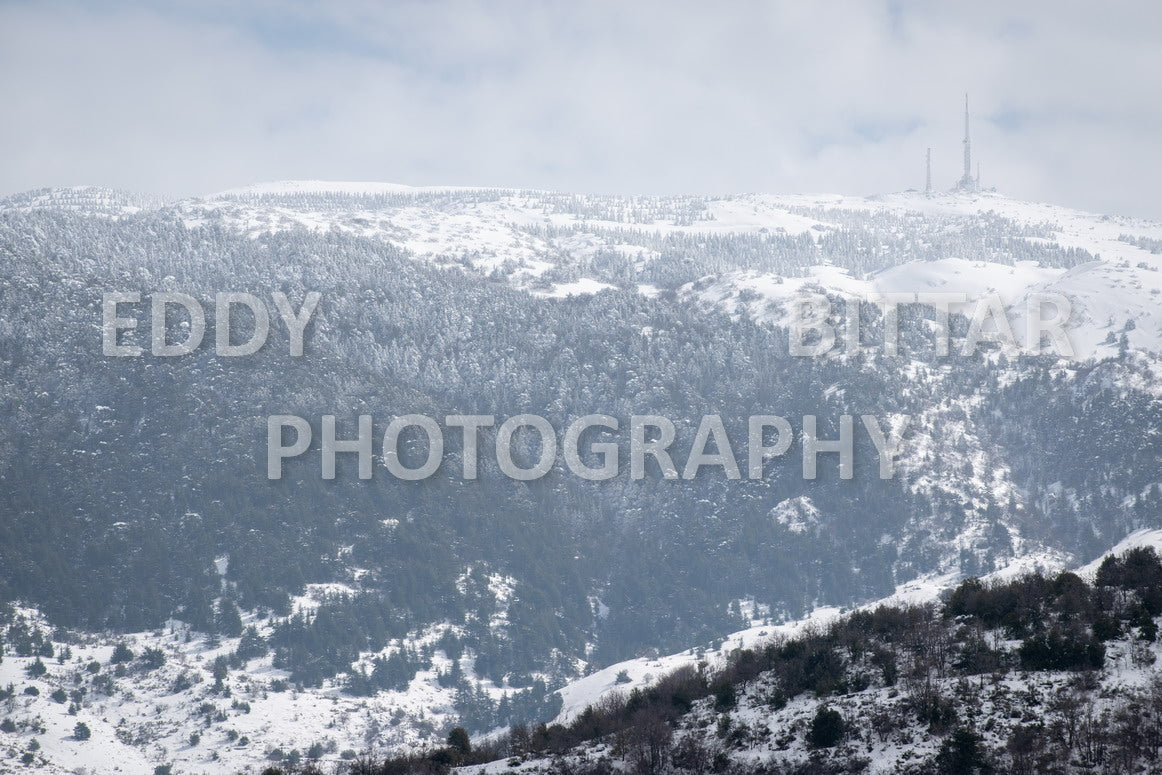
x=966 y=181
x=967 y=144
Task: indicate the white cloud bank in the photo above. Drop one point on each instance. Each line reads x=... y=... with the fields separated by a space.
x=594 y=96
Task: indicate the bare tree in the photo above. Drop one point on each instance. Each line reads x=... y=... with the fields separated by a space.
x=649 y=741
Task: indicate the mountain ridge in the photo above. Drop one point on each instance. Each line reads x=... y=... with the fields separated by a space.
x=137 y=504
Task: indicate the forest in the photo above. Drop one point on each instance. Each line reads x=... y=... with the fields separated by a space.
x=135 y=490
x=899 y=676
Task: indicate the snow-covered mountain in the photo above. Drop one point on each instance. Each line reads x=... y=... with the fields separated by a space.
x=532 y=238
x=178 y=714
x=1043 y=670
x=1113 y=279
x=383 y=615
x=1119 y=280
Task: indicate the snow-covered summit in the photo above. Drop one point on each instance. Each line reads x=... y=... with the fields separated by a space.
x=97 y=200
x=748 y=254
x=350 y=188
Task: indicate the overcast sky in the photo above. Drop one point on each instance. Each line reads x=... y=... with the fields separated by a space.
x=586 y=96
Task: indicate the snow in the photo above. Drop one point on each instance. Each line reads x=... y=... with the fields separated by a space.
x=583 y=287
x=1128 y=668
x=505 y=236
x=1151 y=538
x=771 y=296
x=499 y=232
x=96 y=200
x=1124 y=285
x=642 y=672
x=798 y=515
x=145 y=723
x=757 y=213
x=351 y=188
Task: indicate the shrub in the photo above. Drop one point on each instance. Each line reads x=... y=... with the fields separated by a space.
x=81 y=731
x=963 y=753
x=1059 y=650
x=725 y=697
x=121 y=654
x=152 y=659
x=458 y=739
x=182 y=683
x=827 y=728
x=935 y=710
x=1106 y=628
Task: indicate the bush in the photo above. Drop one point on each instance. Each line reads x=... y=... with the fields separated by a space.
x=963 y=753
x=1058 y=650
x=1015 y=605
x=725 y=697
x=152 y=659
x=827 y=729
x=81 y=731
x=935 y=710
x=1106 y=628
x=251 y=646
x=121 y=654
x=182 y=683
x=458 y=739
x=1139 y=568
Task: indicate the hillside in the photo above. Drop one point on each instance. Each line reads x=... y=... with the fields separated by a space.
x=385 y=613
x=1045 y=674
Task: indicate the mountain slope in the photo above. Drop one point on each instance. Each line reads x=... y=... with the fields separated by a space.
x=135 y=493
x=1030 y=674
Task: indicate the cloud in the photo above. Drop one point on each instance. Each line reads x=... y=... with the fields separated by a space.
x=593 y=96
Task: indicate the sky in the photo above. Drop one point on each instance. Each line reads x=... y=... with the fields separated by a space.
x=189 y=98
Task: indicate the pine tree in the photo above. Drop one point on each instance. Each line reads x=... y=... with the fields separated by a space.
x=458 y=739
